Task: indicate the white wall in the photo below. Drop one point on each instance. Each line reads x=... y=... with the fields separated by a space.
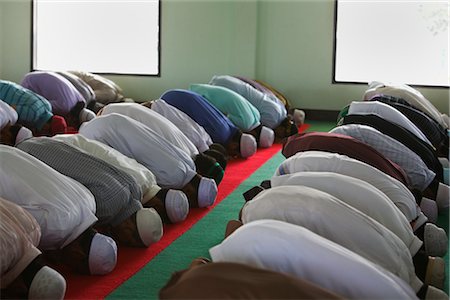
x=287 y=43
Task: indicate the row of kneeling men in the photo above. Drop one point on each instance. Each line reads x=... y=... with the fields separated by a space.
x=350 y=213
x=124 y=170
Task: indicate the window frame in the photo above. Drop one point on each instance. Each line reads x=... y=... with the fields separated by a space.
x=348 y=82
x=34 y=40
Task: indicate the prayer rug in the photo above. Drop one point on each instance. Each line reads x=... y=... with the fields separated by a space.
x=131 y=260
x=141 y=273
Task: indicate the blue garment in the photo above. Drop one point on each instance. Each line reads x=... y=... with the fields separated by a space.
x=237 y=108
x=216 y=124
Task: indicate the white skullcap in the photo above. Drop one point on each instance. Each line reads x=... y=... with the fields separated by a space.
x=177 y=205
x=266 y=137
x=47 y=284
x=207 y=192
x=23 y=134
x=86 y=115
x=102 y=255
x=149 y=226
x=7 y=114
x=247 y=145
x=298 y=117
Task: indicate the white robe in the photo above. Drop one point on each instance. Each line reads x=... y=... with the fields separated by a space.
x=272 y=113
x=321 y=161
x=172 y=167
x=143 y=176
x=295 y=250
x=63 y=207
x=194 y=131
x=337 y=221
x=360 y=195
x=155 y=121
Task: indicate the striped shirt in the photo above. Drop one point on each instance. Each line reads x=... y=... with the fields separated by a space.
x=143 y=176
x=420 y=177
x=33 y=110
x=116 y=193
x=404 y=136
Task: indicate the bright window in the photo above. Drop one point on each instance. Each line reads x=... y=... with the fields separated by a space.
x=400 y=41
x=98 y=36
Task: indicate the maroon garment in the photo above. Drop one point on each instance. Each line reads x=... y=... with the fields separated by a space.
x=345 y=145
x=224 y=280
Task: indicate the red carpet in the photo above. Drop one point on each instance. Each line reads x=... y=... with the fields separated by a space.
x=130 y=260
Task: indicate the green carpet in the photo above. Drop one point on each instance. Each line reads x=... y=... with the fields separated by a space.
x=205 y=234
x=320 y=126
x=196 y=242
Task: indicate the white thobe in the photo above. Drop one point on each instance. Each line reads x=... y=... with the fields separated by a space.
x=360 y=195
x=172 y=166
x=194 y=131
x=407 y=93
x=63 y=207
x=155 y=121
x=337 y=221
x=143 y=176
x=272 y=114
x=388 y=113
x=321 y=161
x=295 y=250
x=418 y=173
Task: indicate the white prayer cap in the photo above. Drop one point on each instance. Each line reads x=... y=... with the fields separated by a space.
x=177 y=205
x=47 y=284
x=247 y=145
x=86 y=115
x=266 y=137
x=298 y=117
x=23 y=134
x=207 y=192
x=7 y=114
x=149 y=226
x=102 y=255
